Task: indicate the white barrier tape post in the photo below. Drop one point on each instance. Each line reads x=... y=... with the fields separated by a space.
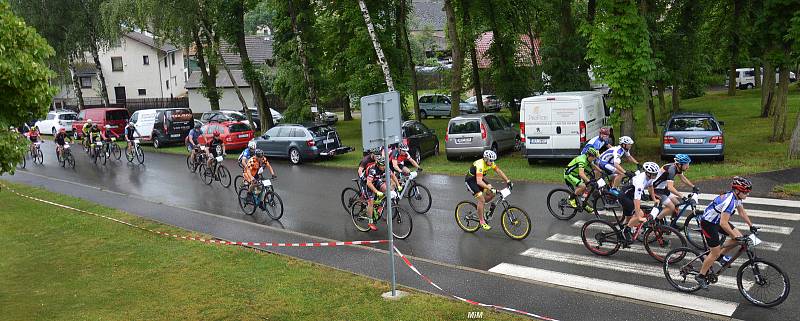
x=498 y=307
x=199 y=239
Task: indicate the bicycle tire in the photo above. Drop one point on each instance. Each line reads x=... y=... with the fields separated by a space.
x=664 y=238
x=685 y=268
x=104 y=157
x=349 y=195
x=129 y=153
x=39 y=157
x=510 y=219
x=22 y=162
x=224 y=176
x=238 y=182
x=70 y=160
x=62 y=161
x=358 y=213
x=755 y=267
x=139 y=154
x=466 y=213
x=190 y=163
x=246 y=202
x=402 y=224
x=692 y=231
x=559 y=206
x=422 y=195
x=601 y=232
x=116 y=151
x=207 y=176
x=274 y=205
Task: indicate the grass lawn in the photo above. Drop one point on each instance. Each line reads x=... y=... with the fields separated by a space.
x=787 y=189
x=60 y=264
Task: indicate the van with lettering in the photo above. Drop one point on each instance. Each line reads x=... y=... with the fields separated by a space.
x=557 y=125
x=163 y=126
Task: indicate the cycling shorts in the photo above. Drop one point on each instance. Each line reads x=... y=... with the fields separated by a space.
x=368 y=192
x=607 y=167
x=572 y=181
x=472 y=184
x=712 y=231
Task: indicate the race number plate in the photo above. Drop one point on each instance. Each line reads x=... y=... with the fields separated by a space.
x=99 y=143
x=266 y=182
x=66 y=145
x=754 y=239
x=135 y=141
x=505 y=192
x=654 y=212
x=601 y=182
x=219 y=158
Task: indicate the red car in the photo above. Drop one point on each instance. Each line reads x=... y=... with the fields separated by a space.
x=234 y=134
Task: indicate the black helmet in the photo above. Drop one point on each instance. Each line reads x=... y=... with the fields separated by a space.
x=196 y=126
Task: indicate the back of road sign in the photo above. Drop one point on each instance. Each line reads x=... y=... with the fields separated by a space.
x=380 y=119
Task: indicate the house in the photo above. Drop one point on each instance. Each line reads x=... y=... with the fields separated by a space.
x=259 y=49
x=428 y=21
x=136 y=67
x=524 y=57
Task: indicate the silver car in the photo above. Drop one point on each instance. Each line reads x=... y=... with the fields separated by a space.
x=470 y=135
x=695 y=134
x=439 y=105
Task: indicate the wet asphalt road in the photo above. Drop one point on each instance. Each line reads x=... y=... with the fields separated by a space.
x=311 y=196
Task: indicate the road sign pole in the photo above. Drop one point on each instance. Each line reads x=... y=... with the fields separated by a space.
x=388 y=208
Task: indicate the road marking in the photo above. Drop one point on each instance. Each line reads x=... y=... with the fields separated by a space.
x=762 y=228
x=638 y=248
x=671 y=298
x=752 y=213
x=654 y=270
x=756 y=200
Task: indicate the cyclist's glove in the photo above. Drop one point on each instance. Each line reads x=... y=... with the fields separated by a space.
x=379 y=194
x=754 y=229
x=695 y=189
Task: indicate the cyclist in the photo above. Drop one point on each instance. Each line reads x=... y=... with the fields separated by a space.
x=716 y=221
x=253 y=168
x=106 y=134
x=576 y=177
x=33 y=135
x=610 y=161
x=398 y=159
x=376 y=187
x=93 y=136
x=61 y=139
x=192 y=140
x=477 y=185
x=599 y=142
x=665 y=185
x=364 y=166
x=130 y=130
x=85 y=130
x=631 y=199
x=215 y=148
x=247 y=153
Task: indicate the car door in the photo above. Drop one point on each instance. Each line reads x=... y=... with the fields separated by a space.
x=426 y=104
x=427 y=140
x=509 y=132
x=267 y=141
x=498 y=131
x=442 y=105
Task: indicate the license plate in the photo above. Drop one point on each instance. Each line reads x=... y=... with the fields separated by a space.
x=175 y=135
x=266 y=182
x=244 y=136
x=538 y=140
x=693 y=140
x=463 y=140
x=328 y=141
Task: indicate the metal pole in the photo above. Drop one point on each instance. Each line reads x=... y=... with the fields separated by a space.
x=388 y=211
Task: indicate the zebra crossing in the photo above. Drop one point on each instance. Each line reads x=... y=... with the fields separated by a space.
x=562 y=260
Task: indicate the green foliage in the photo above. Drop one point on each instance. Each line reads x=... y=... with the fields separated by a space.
x=25 y=93
x=563 y=48
x=260 y=17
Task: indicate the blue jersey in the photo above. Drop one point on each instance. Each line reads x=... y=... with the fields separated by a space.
x=612 y=155
x=195 y=134
x=246 y=154
x=725 y=203
x=595 y=142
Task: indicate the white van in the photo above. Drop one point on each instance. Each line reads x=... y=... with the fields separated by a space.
x=557 y=125
x=163 y=126
x=746 y=77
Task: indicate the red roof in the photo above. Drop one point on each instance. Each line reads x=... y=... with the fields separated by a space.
x=524 y=58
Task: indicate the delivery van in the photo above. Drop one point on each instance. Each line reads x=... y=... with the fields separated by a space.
x=163 y=126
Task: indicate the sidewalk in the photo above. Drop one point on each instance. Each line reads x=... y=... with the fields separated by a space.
x=763 y=183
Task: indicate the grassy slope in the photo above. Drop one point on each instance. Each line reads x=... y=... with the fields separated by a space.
x=59 y=264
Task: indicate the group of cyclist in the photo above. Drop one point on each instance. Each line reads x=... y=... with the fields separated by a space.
x=659 y=181
x=214 y=147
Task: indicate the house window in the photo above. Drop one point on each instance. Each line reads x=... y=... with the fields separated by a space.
x=116 y=63
x=167 y=84
x=142 y=92
x=172 y=55
x=86 y=82
x=146 y=60
x=175 y=80
x=165 y=62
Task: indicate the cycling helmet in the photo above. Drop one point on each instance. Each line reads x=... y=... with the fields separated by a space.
x=62 y=130
x=89 y=120
x=107 y=126
x=216 y=133
x=592 y=152
x=259 y=153
x=605 y=131
x=742 y=184
x=490 y=155
x=379 y=160
x=130 y=124
x=626 y=140
x=252 y=145
x=403 y=147
x=650 y=168
x=94 y=126
x=682 y=159
x=196 y=126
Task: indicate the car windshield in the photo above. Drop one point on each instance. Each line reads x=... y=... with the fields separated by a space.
x=67 y=116
x=321 y=131
x=467 y=126
x=117 y=115
x=238 y=128
x=236 y=117
x=692 y=124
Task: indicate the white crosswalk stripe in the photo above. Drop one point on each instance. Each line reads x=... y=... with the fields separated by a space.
x=752 y=213
x=756 y=200
x=762 y=228
x=636 y=248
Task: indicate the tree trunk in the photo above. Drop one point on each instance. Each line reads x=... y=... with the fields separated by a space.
x=662 y=103
x=238 y=91
x=209 y=82
x=249 y=72
x=794 y=144
x=757 y=74
x=676 y=98
x=76 y=82
x=301 y=53
x=768 y=90
x=651 y=113
x=469 y=40
x=377 y=45
x=781 y=106
x=591 y=11
x=411 y=65
x=733 y=48
x=626 y=127
x=458 y=59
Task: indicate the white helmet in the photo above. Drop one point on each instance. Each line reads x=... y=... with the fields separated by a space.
x=490 y=155
x=108 y=126
x=626 y=140
x=650 y=168
x=251 y=144
x=89 y=120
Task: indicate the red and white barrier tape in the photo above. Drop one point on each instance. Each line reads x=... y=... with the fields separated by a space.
x=498 y=307
x=200 y=239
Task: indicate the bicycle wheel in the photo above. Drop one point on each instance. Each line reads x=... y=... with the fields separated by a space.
x=103 y=157
x=358 y=211
x=190 y=163
x=603 y=206
x=61 y=158
x=129 y=153
x=467 y=216
x=23 y=162
x=661 y=240
x=39 y=157
x=238 y=182
x=770 y=285
x=401 y=222
x=247 y=202
x=116 y=151
x=274 y=205
x=516 y=223
x=349 y=195
x=680 y=267
x=93 y=154
x=693 y=232
x=70 y=160
x=558 y=204
x=224 y=176
x=139 y=154
x=419 y=197
x=600 y=237
x=206 y=174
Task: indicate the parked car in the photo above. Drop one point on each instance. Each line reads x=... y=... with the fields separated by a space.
x=695 y=134
x=116 y=117
x=746 y=77
x=219 y=116
x=420 y=139
x=330 y=117
x=56 y=120
x=439 y=105
x=163 y=126
x=299 y=143
x=276 y=116
x=234 y=134
x=491 y=104
x=470 y=135
x=557 y=125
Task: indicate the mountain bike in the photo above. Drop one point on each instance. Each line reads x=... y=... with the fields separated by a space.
x=516 y=223
x=263 y=197
x=419 y=197
x=351 y=194
x=597 y=196
x=96 y=152
x=401 y=220
x=691 y=224
x=134 y=152
x=199 y=158
x=66 y=158
x=36 y=153
x=761 y=282
x=604 y=238
x=217 y=172
x=112 y=149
